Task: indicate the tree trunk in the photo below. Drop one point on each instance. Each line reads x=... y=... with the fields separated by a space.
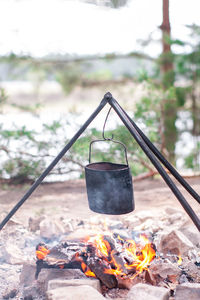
x=167 y=70
x=167 y=63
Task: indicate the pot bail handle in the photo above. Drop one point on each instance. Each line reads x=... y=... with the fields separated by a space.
x=105 y=139
x=108 y=140
x=104 y=125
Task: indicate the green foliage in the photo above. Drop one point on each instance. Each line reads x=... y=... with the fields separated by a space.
x=180 y=96
x=30 y=157
x=99 y=75
x=177 y=42
x=69 y=77
x=166 y=58
x=189 y=161
x=3 y=96
x=22 y=170
x=26 y=159
x=118 y=3
x=188 y=64
x=17 y=134
x=192 y=161
x=53 y=127
x=168 y=78
x=142 y=75
x=188 y=67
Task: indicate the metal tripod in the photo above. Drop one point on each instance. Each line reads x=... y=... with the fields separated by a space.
x=149 y=149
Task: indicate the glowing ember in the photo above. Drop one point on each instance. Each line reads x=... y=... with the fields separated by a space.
x=86 y=270
x=108 y=254
x=41 y=251
x=140 y=254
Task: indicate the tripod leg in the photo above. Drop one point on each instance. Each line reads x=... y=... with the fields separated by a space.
x=154 y=161
x=165 y=161
x=54 y=162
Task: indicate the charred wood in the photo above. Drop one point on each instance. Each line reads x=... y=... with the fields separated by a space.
x=98 y=267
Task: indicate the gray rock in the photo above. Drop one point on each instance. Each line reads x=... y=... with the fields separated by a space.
x=183 y=279
x=74 y=292
x=190 y=291
x=131 y=222
x=31 y=292
x=50 y=229
x=34 y=223
x=63 y=274
x=145 y=291
x=26 y=281
x=191 y=270
x=177 y=219
x=171 y=210
x=165 y=270
x=79 y=234
x=30 y=286
x=192 y=233
x=95 y=220
x=144 y=215
x=57 y=283
x=150 y=225
x=12 y=293
x=9 y=280
x=11 y=254
x=174 y=242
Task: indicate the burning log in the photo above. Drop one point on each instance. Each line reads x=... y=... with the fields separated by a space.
x=59 y=257
x=104 y=257
x=119 y=260
x=98 y=268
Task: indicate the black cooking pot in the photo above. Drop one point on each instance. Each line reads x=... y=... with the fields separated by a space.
x=109 y=186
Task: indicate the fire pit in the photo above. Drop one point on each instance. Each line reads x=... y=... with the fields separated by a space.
x=104 y=257
x=118 y=258
x=120 y=263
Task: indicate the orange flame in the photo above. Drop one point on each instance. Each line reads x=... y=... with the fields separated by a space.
x=41 y=252
x=87 y=270
x=179 y=260
x=118 y=267
x=140 y=254
x=102 y=246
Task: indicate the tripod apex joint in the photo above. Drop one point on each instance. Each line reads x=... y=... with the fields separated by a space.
x=108 y=96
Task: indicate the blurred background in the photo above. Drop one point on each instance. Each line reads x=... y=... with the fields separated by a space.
x=57 y=60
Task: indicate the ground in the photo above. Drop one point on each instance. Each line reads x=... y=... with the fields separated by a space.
x=69 y=199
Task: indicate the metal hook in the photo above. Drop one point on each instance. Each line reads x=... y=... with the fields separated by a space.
x=103 y=133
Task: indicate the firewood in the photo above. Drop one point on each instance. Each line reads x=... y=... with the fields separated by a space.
x=149 y=277
x=98 y=268
x=120 y=261
x=64 y=253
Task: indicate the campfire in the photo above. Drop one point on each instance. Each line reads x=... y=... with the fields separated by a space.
x=114 y=259
x=106 y=257
x=114 y=262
